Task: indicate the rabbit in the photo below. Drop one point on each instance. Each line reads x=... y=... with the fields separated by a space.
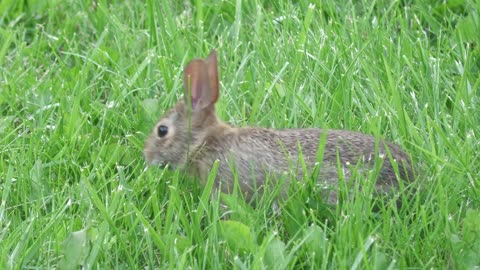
x=193 y=138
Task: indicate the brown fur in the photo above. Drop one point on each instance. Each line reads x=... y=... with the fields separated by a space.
x=259 y=152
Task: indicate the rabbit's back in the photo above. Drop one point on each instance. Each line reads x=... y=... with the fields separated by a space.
x=253 y=154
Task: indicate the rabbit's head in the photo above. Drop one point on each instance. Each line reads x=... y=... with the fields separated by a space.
x=183 y=128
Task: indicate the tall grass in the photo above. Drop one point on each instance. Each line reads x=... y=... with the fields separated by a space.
x=83 y=82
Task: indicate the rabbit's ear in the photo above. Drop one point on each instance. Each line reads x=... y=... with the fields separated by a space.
x=201 y=82
x=213 y=75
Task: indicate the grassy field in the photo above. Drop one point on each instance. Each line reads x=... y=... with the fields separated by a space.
x=83 y=82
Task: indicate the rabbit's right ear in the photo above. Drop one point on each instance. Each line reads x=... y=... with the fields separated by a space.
x=201 y=82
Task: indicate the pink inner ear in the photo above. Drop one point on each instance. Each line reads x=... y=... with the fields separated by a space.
x=198 y=101
x=196 y=79
x=201 y=76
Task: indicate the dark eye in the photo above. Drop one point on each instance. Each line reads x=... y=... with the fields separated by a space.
x=162 y=130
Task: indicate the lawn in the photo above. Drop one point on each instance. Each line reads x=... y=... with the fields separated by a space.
x=83 y=82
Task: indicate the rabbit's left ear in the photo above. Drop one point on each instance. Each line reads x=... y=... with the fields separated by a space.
x=201 y=82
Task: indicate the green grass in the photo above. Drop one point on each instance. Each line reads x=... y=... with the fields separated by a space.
x=82 y=83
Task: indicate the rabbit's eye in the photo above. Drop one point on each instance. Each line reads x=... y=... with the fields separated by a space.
x=162 y=131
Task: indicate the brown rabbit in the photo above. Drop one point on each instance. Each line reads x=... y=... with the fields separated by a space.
x=194 y=139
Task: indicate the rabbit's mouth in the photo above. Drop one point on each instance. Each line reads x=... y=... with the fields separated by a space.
x=158 y=163
x=164 y=165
